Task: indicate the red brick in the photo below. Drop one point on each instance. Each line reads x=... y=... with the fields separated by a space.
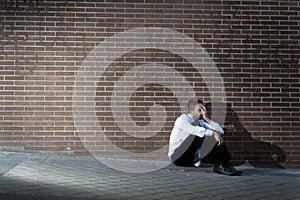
x=248 y=41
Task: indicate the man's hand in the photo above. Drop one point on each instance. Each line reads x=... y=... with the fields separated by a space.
x=204 y=114
x=218 y=138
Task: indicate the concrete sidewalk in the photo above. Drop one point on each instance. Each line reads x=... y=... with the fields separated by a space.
x=44 y=176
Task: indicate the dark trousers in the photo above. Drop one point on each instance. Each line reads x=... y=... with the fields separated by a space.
x=186 y=153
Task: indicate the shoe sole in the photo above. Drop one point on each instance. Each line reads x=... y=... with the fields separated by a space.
x=228 y=174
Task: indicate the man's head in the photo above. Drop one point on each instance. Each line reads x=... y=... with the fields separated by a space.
x=194 y=108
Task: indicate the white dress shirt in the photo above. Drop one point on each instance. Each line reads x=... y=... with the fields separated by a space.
x=183 y=128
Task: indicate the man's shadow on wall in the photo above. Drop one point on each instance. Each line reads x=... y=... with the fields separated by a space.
x=242 y=146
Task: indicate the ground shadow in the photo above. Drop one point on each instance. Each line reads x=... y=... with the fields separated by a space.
x=242 y=146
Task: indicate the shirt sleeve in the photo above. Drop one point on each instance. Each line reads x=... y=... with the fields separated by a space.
x=182 y=123
x=212 y=126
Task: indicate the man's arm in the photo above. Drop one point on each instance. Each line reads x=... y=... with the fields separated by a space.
x=183 y=124
x=208 y=123
x=218 y=138
x=212 y=126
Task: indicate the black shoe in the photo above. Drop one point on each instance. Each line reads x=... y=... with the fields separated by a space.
x=230 y=166
x=223 y=169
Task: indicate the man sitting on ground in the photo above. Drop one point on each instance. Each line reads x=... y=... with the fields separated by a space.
x=188 y=135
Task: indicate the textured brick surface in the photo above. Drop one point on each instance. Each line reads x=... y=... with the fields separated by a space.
x=254 y=45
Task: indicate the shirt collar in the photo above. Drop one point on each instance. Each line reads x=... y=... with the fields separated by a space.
x=190 y=118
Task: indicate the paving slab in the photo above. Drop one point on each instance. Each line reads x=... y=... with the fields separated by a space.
x=55 y=177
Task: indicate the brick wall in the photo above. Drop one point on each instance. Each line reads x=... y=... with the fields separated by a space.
x=252 y=48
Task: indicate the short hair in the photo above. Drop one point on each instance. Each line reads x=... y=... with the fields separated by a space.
x=192 y=103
